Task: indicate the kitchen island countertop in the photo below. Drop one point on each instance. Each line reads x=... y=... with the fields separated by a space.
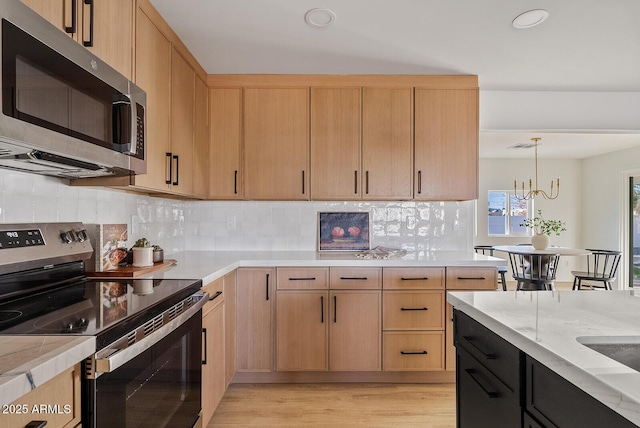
x=547 y=324
x=27 y=362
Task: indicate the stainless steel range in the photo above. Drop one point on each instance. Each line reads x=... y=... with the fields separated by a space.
x=147 y=368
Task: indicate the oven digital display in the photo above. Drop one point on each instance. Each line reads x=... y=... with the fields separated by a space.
x=20 y=238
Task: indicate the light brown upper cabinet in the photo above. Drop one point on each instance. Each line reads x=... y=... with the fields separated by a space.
x=387 y=143
x=201 y=140
x=446 y=144
x=276 y=125
x=153 y=74
x=182 y=124
x=336 y=149
x=225 y=158
x=105 y=27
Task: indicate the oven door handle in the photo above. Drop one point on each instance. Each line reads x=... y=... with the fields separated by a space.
x=109 y=359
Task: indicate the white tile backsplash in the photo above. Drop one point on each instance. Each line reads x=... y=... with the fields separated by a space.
x=230 y=225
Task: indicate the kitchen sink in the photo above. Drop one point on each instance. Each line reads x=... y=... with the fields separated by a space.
x=623 y=349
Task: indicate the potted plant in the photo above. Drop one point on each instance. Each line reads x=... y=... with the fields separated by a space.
x=542 y=229
x=142 y=253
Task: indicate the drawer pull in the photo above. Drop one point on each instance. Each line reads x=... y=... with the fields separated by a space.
x=415 y=279
x=490 y=394
x=302 y=279
x=488 y=355
x=322 y=309
x=353 y=278
x=414 y=309
x=413 y=352
x=215 y=296
x=471 y=278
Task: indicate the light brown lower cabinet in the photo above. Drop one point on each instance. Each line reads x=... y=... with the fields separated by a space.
x=62 y=394
x=213 y=369
x=413 y=350
x=229 y=286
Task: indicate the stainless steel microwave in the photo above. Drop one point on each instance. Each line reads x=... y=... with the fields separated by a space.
x=65 y=112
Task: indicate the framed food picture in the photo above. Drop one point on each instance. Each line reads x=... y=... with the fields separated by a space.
x=343 y=231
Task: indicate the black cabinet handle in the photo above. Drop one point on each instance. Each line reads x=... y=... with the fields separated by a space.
x=490 y=394
x=413 y=352
x=170 y=176
x=36 y=424
x=414 y=309
x=215 y=296
x=204 y=343
x=419 y=182
x=355 y=176
x=74 y=18
x=89 y=43
x=366 y=182
x=302 y=279
x=303 y=182
x=335 y=309
x=235 y=182
x=322 y=309
x=353 y=278
x=470 y=278
x=487 y=354
x=267 y=286
x=424 y=278
x=177 y=159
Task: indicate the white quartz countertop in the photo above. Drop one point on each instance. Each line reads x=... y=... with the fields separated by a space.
x=211 y=265
x=547 y=324
x=27 y=362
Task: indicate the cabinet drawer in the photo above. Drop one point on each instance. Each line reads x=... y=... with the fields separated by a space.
x=464 y=278
x=305 y=278
x=216 y=296
x=499 y=356
x=413 y=310
x=353 y=278
x=413 y=351
x=413 y=278
x=483 y=401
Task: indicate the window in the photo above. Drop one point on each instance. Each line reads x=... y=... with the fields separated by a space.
x=506 y=213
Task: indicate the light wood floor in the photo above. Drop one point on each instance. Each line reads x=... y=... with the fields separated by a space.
x=337 y=405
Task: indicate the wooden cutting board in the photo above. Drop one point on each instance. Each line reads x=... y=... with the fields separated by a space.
x=131 y=271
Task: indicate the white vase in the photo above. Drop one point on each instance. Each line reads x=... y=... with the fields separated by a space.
x=540 y=241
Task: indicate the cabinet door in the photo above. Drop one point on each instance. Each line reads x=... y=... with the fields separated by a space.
x=387 y=143
x=153 y=74
x=229 y=326
x=355 y=332
x=302 y=329
x=225 y=157
x=335 y=143
x=182 y=124
x=107 y=31
x=213 y=365
x=62 y=391
x=446 y=144
x=255 y=292
x=276 y=123
x=201 y=140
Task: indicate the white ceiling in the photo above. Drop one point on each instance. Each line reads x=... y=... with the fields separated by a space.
x=584 y=45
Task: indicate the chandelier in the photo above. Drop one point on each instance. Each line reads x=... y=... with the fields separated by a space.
x=532 y=193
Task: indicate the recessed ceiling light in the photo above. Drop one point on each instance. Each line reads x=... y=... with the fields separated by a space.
x=320 y=18
x=530 y=19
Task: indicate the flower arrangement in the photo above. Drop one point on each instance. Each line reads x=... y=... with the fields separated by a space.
x=542 y=226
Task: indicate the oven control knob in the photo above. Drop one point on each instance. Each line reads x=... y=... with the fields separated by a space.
x=68 y=328
x=82 y=322
x=68 y=237
x=82 y=235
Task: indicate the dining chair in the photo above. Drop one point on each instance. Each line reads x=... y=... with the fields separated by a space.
x=502 y=270
x=602 y=267
x=534 y=271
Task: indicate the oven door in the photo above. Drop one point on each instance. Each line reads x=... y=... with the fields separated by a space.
x=160 y=387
